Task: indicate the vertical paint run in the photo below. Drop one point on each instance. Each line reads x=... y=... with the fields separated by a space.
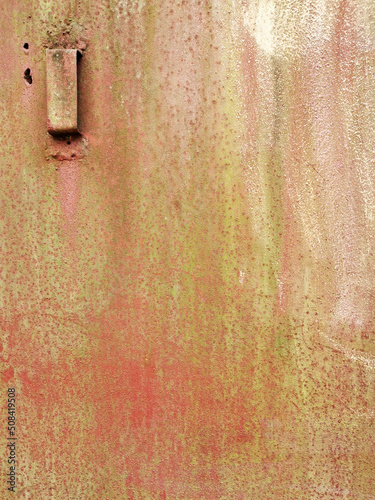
x=68 y=183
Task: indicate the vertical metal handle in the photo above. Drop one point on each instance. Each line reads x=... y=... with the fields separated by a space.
x=61 y=65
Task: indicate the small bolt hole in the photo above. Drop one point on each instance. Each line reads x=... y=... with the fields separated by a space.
x=68 y=142
x=26 y=46
x=27 y=76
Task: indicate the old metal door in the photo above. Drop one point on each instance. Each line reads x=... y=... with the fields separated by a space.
x=187 y=284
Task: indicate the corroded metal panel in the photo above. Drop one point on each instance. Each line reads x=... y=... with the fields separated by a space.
x=188 y=286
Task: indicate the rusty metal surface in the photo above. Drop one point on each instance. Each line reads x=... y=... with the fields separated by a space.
x=187 y=289
x=61 y=78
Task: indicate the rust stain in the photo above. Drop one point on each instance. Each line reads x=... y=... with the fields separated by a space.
x=68 y=172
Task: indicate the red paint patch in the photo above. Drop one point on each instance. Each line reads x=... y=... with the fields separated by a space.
x=8 y=374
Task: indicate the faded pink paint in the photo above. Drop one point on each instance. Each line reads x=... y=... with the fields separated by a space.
x=68 y=172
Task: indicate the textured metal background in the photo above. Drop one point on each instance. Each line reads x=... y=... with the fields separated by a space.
x=187 y=298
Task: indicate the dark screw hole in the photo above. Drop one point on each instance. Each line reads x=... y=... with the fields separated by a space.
x=27 y=76
x=68 y=142
x=26 y=46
